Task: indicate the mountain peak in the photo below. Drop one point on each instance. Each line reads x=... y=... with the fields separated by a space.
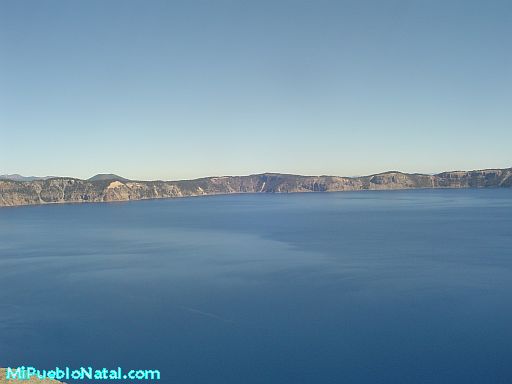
x=107 y=176
x=18 y=177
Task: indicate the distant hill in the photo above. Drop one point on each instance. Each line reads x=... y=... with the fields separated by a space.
x=17 y=177
x=107 y=176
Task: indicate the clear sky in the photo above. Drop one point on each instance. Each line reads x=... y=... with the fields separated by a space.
x=154 y=89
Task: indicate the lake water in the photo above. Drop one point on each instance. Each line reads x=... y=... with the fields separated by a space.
x=356 y=287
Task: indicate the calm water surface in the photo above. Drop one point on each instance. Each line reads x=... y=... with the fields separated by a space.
x=364 y=287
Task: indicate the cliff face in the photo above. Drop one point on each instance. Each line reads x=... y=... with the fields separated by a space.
x=69 y=190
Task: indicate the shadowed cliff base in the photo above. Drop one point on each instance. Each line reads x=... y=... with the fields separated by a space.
x=115 y=188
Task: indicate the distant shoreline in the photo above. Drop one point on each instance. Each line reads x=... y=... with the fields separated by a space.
x=241 y=194
x=113 y=188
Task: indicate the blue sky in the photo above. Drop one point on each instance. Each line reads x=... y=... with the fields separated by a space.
x=181 y=89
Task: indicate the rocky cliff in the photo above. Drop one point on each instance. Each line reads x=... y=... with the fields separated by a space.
x=70 y=190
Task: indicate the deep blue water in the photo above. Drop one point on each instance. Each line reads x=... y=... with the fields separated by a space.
x=359 y=287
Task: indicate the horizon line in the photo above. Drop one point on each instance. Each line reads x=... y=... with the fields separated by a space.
x=5 y=177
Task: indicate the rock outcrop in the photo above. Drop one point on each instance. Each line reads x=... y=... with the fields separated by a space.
x=32 y=380
x=70 y=190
